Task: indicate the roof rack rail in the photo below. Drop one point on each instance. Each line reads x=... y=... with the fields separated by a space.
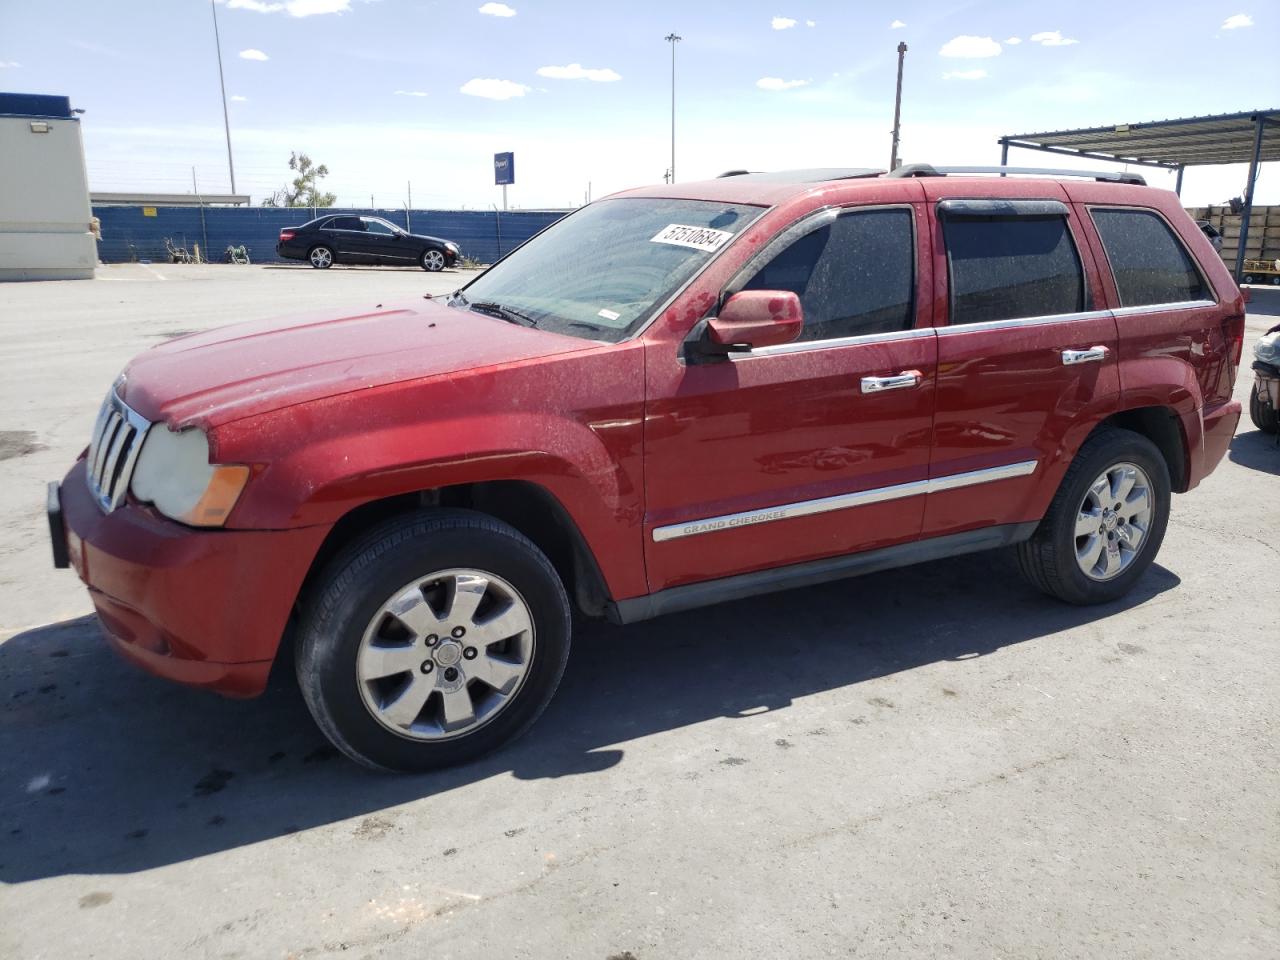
x=1110 y=176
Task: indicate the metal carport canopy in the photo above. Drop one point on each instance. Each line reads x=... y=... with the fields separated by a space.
x=1251 y=137
x=1188 y=142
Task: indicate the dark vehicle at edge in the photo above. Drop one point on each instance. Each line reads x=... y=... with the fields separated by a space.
x=343 y=238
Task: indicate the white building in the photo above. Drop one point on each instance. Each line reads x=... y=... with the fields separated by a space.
x=45 y=218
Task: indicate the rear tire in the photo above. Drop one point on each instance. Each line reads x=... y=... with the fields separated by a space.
x=396 y=651
x=1263 y=415
x=1247 y=278
x=1080 y=553
x=321 y=257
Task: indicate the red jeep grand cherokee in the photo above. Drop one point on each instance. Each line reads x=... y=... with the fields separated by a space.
x=673 y=397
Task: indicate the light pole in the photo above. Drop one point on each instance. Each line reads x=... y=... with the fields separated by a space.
x=672 y=38
x=897 y=109
x=226 y=122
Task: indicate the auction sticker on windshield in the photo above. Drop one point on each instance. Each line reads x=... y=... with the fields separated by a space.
x=699 y=238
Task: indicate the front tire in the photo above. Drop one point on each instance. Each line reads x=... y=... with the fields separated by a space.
x=436 y=638
x=1263 y=415
x=1105 y=524
x=321 y=257
x=432 y=261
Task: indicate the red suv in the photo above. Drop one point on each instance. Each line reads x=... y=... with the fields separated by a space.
x=673 y=397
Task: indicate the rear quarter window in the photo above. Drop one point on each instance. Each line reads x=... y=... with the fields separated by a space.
x=1148 y=261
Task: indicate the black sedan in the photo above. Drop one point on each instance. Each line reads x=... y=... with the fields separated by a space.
x=342 y=238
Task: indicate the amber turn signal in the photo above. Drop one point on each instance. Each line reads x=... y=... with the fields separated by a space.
x=214 y=506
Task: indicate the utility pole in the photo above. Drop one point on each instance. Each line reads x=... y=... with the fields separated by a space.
x=408 y=206
x=226 y=122
x=672 y=38
x=897 y=109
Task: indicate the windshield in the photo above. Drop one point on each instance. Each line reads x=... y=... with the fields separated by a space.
x=601 y=272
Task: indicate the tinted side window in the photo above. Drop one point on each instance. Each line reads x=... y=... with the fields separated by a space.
x=345 y=223
x=854 y=276
x=1149 y=263
x=377 y=226
x=1004 y=268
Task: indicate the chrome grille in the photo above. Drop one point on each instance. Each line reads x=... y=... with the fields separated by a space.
x=113 y=451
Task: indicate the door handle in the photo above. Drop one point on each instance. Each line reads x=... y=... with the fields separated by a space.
x=1092 y=355
x=908 y=378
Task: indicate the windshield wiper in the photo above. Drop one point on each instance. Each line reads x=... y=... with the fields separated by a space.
x=492 y=309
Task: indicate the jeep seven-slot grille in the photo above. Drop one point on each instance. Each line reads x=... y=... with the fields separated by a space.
x=113 y=451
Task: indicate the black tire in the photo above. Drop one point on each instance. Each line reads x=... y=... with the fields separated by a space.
x=325 y=262
x=432 y=260
x=1247 y=278
x=361 y=578
x=1048 y=559
x=1263 y=415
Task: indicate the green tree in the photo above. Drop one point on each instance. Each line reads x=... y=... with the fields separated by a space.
x=304 y=191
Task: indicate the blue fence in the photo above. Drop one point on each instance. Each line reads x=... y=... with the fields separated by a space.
x=129 y=235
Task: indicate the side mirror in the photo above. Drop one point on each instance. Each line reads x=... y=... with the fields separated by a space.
x=756 y=318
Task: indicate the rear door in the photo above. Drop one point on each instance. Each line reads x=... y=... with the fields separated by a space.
x=1026 y=359
x=348 y=238
x=811 y=449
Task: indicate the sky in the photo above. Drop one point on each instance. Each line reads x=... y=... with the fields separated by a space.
x=400 y=95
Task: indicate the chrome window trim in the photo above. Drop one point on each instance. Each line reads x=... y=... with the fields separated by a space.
x=1023 y=322
x=1162 y=307
x=804 y=346
x=843 y=501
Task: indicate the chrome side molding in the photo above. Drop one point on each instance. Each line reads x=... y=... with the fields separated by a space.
x=844 y=501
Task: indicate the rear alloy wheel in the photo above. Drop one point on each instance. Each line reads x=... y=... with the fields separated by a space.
x=433 y=261
x=439 y=636
x=321 y=258
x=1106 y=522
x=1262 y=414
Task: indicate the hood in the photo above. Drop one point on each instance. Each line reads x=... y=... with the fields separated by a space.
x=243 y=370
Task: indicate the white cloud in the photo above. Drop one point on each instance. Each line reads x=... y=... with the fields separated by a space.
x=897 y=25
x=782 y=23
x=236 y=98
x=811 y=23
x=970 y=48
x=1052 y=38
x=497 y=10
x=576 y=71
x=1236 y=21
x=6 y=64
x=1013 y=41
x=252 y=54
x=492 y=89
x=295 y=8
x=412 y=93
x=777 y=83
x=978 y=74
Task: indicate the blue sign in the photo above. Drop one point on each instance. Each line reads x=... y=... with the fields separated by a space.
x=504 y=169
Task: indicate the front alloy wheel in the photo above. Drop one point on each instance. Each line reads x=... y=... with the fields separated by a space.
x=436 y=637
x=445 y=654
x=433 y=261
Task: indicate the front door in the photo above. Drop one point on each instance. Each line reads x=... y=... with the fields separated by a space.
x=810 y=449
x=385 y=244
x=1026 y=360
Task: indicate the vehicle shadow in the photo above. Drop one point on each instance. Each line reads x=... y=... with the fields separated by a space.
x=106 y=770
x=1256 y=450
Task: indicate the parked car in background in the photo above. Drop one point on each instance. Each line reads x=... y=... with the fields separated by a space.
x=674 y=397
x=1264 y=398
x=342 y=238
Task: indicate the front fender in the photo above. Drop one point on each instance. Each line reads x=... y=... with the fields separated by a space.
x=571 y=425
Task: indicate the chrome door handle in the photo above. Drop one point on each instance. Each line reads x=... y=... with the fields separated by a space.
x=1093 y=354
x=908 y=378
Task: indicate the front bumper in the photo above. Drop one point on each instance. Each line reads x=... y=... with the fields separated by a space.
x=201 y=607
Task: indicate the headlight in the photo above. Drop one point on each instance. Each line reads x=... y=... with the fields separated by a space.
x=175 y=476
x=451 y=246
x=1267 y=349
